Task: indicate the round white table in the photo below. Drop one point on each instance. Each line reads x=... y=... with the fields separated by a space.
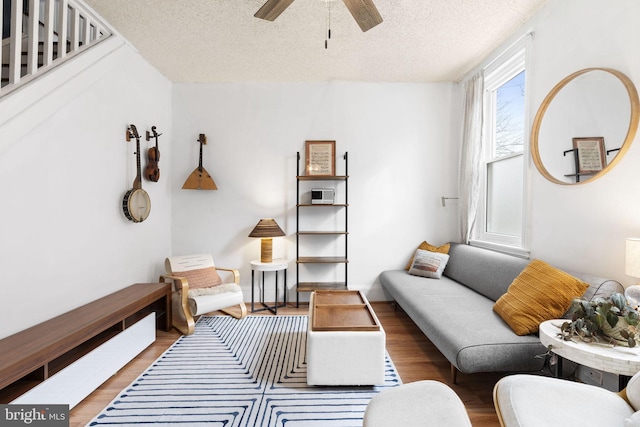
x=619 y=360
x=276 y=265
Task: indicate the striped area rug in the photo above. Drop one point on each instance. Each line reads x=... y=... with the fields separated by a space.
x=232 y=373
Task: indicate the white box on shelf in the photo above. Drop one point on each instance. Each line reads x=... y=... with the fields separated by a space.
x=598 y=378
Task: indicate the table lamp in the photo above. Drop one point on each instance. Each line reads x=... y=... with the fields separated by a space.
x=266 y=229
x=632 y=268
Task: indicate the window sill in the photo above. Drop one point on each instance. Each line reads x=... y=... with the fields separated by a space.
x=511 y=250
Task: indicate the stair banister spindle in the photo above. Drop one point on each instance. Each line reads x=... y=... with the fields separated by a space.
x=2 y=62
x=15 y=50
x=44 y=33
x=74 y=22
x=49 y=24
x=86 y=38
x=1 y=32
x=32 y=36
x=63 y=8
x=88 y=29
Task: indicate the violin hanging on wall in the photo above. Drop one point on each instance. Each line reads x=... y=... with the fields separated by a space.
x=136 y=203
x=152 y=171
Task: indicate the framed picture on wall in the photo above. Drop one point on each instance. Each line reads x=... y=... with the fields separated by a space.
x=321 y=158
x=590 y=154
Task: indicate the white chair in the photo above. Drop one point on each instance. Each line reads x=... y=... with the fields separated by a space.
x=530 y=400
x=197 y=288
x=422 y=403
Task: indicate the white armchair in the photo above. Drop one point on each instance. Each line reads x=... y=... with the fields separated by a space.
x=197 y=288
x=529 y=400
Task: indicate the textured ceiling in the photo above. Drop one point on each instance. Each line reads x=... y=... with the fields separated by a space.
x=221 y=41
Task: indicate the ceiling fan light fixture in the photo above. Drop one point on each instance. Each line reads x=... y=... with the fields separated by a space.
x=326 y=40
x=272 y=9
x=364 y=12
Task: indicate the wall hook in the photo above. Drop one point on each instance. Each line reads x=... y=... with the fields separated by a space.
x=129 y=134
x=152 y=134
x=444 y=200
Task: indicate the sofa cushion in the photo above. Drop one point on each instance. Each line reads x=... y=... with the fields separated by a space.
x=598 y=288
x=428 y=264
x=479 y=341
x=541 y=292
x=425 y=246
x=487 y=272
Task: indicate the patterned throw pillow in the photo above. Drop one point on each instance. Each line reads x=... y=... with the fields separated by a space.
x=540 y=292
x=425 y=246
x=428 y=264
x=201 y=277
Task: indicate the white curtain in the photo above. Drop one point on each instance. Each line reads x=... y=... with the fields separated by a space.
x=470 y=156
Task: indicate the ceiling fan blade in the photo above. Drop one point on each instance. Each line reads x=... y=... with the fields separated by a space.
x=272 y=9
x=364 y=12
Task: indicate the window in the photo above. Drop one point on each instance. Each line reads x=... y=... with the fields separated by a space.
x=500 y=219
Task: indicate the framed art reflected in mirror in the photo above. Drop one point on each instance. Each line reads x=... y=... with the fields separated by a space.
x=592 y=101
x=590 y=154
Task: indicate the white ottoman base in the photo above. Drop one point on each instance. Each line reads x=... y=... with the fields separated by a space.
x=345 y=357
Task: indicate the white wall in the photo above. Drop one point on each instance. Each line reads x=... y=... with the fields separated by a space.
x=583 y=228
x=402 y=145
x=64 y=168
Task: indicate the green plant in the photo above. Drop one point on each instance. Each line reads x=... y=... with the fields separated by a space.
x=611 y=320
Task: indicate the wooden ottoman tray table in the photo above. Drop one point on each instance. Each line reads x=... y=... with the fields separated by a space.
x=345 y=340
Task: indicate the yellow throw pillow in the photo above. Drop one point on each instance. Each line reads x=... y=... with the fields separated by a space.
x=444 y=249
x=541 y=292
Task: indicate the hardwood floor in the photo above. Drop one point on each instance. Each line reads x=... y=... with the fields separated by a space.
x=412 y=353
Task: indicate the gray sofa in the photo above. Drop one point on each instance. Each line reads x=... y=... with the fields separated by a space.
x=456 y=311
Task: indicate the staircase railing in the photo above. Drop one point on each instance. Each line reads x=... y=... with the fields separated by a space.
x=42 y=34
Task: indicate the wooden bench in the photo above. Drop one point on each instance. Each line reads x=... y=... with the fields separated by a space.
x=29 y=357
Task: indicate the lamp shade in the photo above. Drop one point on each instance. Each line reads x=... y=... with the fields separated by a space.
x=632 y=257
x=267 y=227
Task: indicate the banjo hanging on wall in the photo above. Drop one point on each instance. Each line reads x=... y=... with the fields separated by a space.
x=136 y=203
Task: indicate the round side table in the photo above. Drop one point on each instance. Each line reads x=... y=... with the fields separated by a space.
x=276 y=265
x=618 y=360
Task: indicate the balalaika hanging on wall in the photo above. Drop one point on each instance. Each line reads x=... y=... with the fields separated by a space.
x=136 y=203
x=200 y=178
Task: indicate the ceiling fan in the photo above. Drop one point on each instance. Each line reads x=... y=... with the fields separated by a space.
x=363 y=11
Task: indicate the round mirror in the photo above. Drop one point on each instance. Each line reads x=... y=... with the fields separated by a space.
x=584 y=126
